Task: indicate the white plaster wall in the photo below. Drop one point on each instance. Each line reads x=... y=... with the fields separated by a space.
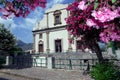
x=63 y=35
x=36 y=42
x=44 y=42
x=73 y=46
x=43 y=22
x=118 y=54
x=51 y=19
x=51 y=16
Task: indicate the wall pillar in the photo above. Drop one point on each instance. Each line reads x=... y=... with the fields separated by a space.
x=34 y=48
x=69 y=37
x=69 y=44
x=47 y=34
x=8 y=60
x=50 y=63
x=47 y=40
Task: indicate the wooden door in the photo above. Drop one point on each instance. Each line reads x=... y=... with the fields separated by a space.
x=40 y=47
x=58 y=46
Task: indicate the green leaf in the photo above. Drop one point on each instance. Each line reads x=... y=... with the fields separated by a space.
x=2 y=1
x=113 y=1
x=95 y=5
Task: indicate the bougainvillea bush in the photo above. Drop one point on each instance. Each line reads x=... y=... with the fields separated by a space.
x=11 y=8
x=94 y=20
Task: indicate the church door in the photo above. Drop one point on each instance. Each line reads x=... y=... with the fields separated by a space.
x=58 y=46
x=40 y=47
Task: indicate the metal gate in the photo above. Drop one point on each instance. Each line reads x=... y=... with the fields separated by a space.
x=24 y=61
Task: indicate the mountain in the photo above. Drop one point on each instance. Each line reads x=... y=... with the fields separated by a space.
x=24 y=46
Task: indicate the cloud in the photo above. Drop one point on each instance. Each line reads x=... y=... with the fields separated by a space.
x=9 y=23
x=53 y=2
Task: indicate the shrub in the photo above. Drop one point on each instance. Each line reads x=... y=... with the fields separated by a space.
x=105 y=71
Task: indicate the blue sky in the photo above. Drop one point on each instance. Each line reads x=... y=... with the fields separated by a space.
x=22 y=27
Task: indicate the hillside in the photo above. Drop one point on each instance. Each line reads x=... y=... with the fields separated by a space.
x=24 y=46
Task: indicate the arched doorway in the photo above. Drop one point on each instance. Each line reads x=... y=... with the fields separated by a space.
x=40 y=46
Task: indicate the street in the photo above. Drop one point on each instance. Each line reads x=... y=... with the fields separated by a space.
x=11 y=77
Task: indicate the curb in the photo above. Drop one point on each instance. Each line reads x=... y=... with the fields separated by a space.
x=18 y=75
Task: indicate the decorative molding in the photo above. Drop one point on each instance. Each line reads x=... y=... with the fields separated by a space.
x=50 y=29
x=57 y=9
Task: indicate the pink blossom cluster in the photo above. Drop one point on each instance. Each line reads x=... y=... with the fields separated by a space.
x=110 y=35
x=82 y=5
x=105 y=14
x=102 y=22
x=8 y=11
x=32 y=4
x=91 y=23
x=20 y=7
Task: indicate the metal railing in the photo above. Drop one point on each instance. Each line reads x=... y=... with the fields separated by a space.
x=78 y=64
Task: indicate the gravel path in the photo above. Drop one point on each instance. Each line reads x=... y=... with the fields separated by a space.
x=37 y=73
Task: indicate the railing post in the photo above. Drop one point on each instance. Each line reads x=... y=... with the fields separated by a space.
x=80 y=64
x=50 y=62
x=60 y=65
x=8 y=60
x=70 y=64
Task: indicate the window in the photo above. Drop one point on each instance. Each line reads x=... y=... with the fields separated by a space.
x=57 y=17
x=40 y=36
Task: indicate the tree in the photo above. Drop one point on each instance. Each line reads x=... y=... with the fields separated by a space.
x=7 y=39
x=94 y=20
x=11 y=8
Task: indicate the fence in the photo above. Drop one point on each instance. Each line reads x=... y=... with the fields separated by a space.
x=69 y=61
x=56 y=61
x=78 y=64
x=39 y=61
x=25 y=61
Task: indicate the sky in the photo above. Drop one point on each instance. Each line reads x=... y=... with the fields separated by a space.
x=22 y=27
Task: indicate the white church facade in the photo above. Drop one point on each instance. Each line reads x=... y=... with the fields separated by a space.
x=50 y=34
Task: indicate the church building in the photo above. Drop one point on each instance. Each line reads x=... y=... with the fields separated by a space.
x=50 y=34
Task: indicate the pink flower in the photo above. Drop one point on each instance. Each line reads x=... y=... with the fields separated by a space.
x=82 y=5
x=6 y=14
x=114 y=36
x=105 y=14
x=11 y=9
x=110 y=34
x=90 y=23
x=104 y=38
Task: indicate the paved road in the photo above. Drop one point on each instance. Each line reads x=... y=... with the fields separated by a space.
x=11 y=77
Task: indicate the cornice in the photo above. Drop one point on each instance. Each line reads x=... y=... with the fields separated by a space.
x=52 y=29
